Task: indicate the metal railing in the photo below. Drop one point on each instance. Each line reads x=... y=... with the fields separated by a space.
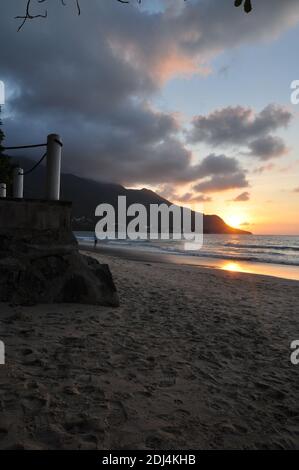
x=53 y=169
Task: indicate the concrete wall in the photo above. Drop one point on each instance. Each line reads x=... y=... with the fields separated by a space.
x=30 y=215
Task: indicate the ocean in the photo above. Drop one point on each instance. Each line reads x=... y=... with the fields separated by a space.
x=272 y=249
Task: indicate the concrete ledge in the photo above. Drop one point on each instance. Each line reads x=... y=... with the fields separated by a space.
x=42 y=201
x=35 y=215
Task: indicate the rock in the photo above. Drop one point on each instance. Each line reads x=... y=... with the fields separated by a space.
x=51 y=271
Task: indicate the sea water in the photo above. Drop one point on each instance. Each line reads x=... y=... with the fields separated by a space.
x=273 y=249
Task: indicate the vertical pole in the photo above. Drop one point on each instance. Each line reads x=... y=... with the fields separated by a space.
x=18 y=183
x=3 y=190
x=54 y=148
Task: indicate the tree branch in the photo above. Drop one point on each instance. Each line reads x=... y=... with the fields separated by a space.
x=29 y=16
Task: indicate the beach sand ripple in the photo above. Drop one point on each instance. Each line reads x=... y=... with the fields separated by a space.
x=193 y=358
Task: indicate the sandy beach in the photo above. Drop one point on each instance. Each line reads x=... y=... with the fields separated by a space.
x=193 y=358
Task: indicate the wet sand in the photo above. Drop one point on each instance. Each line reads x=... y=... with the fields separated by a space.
x=193 y=358
x=250 y=267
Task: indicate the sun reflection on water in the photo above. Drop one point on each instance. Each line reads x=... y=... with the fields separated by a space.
x=232 y=266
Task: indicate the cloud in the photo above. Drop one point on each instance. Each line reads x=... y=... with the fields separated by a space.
x=222 y=183
x=267 y=148
x=243 y=127
x=264 y=168
x=243 y=197
x=168 y=192
x=213 y=173
x=219 y=173
x=246 y=224
x=238 y=125
x=194 y=198
x=296 y=190
x=93 y=79
x=217 y=164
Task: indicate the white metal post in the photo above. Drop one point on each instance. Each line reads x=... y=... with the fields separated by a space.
x=54 y=148
x=18 y=183
x=2 y=190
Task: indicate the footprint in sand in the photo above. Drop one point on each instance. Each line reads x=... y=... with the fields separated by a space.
x=32 y=405
x=4 y=426
x=168 y=379
x=83 y=425
x=182 y=413
x=153 y=442
x=27 y=351
x=117 y=414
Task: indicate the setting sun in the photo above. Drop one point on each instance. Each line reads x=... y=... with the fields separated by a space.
x=234 y=220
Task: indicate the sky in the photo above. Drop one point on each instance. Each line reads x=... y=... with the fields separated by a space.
x=190 y=99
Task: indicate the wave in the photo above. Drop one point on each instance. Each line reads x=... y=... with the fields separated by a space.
x=263 y=247
x=236 y=258
x=264 y=252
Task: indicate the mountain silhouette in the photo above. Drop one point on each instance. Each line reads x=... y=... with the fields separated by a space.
x=86 y=194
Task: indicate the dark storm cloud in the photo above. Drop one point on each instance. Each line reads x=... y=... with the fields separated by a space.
x=242 y=126
x=92 y=79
